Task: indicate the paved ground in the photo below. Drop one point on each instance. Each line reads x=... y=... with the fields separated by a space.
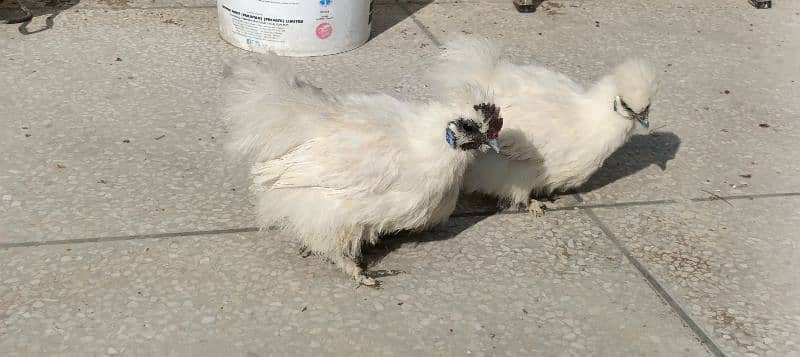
x=124 y=231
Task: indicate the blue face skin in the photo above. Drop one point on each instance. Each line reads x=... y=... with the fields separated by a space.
x=450 y=136
x=452 y=140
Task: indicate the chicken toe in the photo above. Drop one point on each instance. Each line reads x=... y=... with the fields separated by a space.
x=536 y=208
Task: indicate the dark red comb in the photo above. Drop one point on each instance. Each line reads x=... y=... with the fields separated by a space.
x=491 y=117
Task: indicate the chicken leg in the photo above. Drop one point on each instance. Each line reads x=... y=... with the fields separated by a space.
x=350 y=241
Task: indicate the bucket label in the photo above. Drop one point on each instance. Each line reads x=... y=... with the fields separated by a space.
x=255 y=26
x=324 y=30
x=326 y=10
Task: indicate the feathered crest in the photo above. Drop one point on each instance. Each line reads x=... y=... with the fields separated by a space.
x=491 y=117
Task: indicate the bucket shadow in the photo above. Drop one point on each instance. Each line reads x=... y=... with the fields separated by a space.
x=22 y=12
x=386 y=15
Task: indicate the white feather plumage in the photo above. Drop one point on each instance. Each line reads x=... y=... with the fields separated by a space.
x=556 y=134
x=339 y=171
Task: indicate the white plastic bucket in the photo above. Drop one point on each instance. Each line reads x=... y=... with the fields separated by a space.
x=295 y=27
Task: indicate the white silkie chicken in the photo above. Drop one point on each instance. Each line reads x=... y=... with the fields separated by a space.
x=339 y=171
x=556 y=133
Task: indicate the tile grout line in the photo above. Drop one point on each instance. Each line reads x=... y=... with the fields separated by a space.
x=178 y=7
x=155 y=7
x=651 y=280
x=111 y=8
x=746 y=197
x=163 y=7
x=642 y=203
x=129 y=237
x=458 y=215
x=419 y=24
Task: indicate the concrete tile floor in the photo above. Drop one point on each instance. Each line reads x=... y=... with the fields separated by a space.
x=734 y=268
x=479 y=285
x=145 y=247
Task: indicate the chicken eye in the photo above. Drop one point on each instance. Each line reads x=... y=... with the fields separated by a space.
x=624 y=105
x=470 y=128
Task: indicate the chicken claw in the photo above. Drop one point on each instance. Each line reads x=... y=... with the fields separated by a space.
x=536 y=208
x=367 y=281
x=304 y=252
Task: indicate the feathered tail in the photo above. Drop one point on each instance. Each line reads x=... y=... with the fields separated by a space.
x=268 y=110
x=467 y=61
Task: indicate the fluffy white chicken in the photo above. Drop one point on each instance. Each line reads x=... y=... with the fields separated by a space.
x=556 y=133
x=339 y=171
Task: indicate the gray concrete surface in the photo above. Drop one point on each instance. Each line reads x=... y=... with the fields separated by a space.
x=124 y=231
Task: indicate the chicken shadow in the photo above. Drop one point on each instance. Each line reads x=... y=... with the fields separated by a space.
x=373 y=255
x=22 y=12
x=639 y=153
x=387 y=15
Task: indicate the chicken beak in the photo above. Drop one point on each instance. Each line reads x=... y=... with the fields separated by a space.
x=644 y=119
x=493 y=144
